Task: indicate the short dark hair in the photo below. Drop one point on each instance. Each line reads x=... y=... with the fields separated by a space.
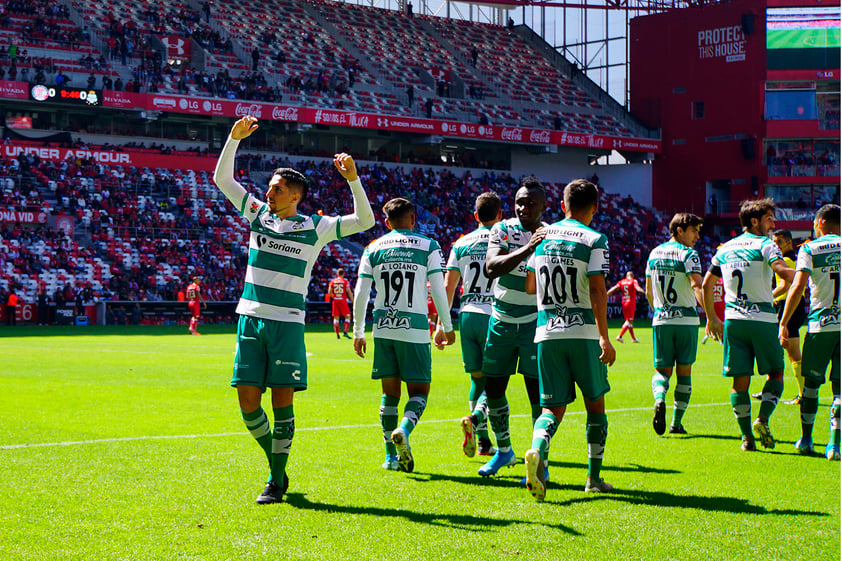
x=398 y=208
x=488 y=206
x=295 y=180
x=531 y=183
x=783 y=233
x=340 y=272
x=684 y=220
x=580 y=194
x=755 y=208
x=830 y=214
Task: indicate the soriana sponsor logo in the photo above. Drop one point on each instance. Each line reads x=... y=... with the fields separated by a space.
x=253 y=109
x=14 y=90
x=281 y=113
x=163 y=102
x=515 y=134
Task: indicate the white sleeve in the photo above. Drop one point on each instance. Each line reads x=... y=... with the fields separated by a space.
x=363 y=217
x=361 y=295
x=223 y=175
x=439 y=295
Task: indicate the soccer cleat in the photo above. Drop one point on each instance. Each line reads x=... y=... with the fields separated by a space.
x=831 y=452
x=659 y=421
x=748 y=444
x=273 y=493
x=758 y=395
x=346 y=335
x=535 y=482
x=794 y=401
x=619 y=339
x=391 y=463
x=677 y=429
x=762 y=432
x=485 y=448
x=469 y=437
x=597 y=485
x=805 y=446
x=499 y=460
x=635 y=340
x=337 y=335
x=401 y=441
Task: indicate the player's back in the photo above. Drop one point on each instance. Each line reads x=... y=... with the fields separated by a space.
x=192 y=292
x=338 y=288
x=821 y=257
x=747 y=277
x=669 y=266
x=468 y=257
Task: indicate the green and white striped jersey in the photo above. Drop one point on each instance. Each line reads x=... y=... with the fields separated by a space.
x=399 y=264
x=669 y=268
x=820 y=258
x=745 y=263
x=468 y=257
x=511 y=302
x=569 y=254
x=281 y=257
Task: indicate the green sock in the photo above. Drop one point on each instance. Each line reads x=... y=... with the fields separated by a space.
x=536 y=411
x=596 y=433
x=809 y=407
x=498 y=412
x=772 y=391
x=477 y=389
x=545 y=428
x=834 y=415
x=482 y=405
x=412 y=412
x=741 y=404
x=660 y=385
x=282 y=441
x=258 y=425
x=389 y=420
x=682 y=398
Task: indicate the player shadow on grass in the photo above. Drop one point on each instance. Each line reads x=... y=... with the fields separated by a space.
x=461 y=521
x=659 y=498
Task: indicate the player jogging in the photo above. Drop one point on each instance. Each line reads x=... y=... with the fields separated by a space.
x=745 y=265
x=283 y=246
x=467 y=262
x=818 y=264
x=567 y=275
x=399 y=264
x=673 y=286
x=338 y=294
x=628 y=287
x=195 y=303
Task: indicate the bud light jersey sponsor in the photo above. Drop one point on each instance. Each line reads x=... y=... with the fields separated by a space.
x=745 y=263
x=338 y=289
x=399 y=264
x=468 y=257
x=669 y=268
x=820 y=258
x=563 y=262
x=281 y=256
x=511 y=302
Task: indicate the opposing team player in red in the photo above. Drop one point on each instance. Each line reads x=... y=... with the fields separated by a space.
x=718 y=306
x=432 y=313
x=339 y=294
x=195 y=303
x=628 y=286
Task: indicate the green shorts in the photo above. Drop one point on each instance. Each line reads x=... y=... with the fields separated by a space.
x=674 y=345
x=566 y=363
x=747 y=341
x=510 y=347
x=819 y=351
x=411 y=362
x=473 y=333
x=270 y=354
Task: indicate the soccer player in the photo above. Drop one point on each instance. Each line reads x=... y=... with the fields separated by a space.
x=628 y=286
x=432 y=313
x=467 y=262
x=399 y=265
x=718 y=306
x=568 y=272
x=511 y=330
x=745 y=265
x=195 y=303
x=818 y=264
x=783 y=239
x=283 y=247
x=338 y=293
x=673 y=285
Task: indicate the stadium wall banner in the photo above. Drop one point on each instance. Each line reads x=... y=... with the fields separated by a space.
x=14 y=90
x=111 y=157
x=178 y=48
x=23 y=216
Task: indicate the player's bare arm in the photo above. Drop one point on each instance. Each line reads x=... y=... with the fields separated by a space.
x=793 y=298
x=531 y=286
x=599 y=304
x=713 y=326
x=344 y=163
x=783 y=270
x=696 y=285
x=244 y=127
x=498 y=261
x=648 y=292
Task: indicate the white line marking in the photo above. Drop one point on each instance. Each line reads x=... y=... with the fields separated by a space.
x=303 y=429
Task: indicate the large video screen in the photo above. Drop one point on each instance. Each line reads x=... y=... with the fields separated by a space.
x=804 y=38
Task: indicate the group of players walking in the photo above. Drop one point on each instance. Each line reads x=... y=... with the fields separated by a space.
x=533 y=301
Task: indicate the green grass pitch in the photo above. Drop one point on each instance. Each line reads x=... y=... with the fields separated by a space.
x=802 y=38
x=127 y=444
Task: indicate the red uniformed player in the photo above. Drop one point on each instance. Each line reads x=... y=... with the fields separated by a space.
x=195 y=302
x=628 y=286
x=340 y=295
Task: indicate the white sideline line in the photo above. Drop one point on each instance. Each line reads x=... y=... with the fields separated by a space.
x=303 y=429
